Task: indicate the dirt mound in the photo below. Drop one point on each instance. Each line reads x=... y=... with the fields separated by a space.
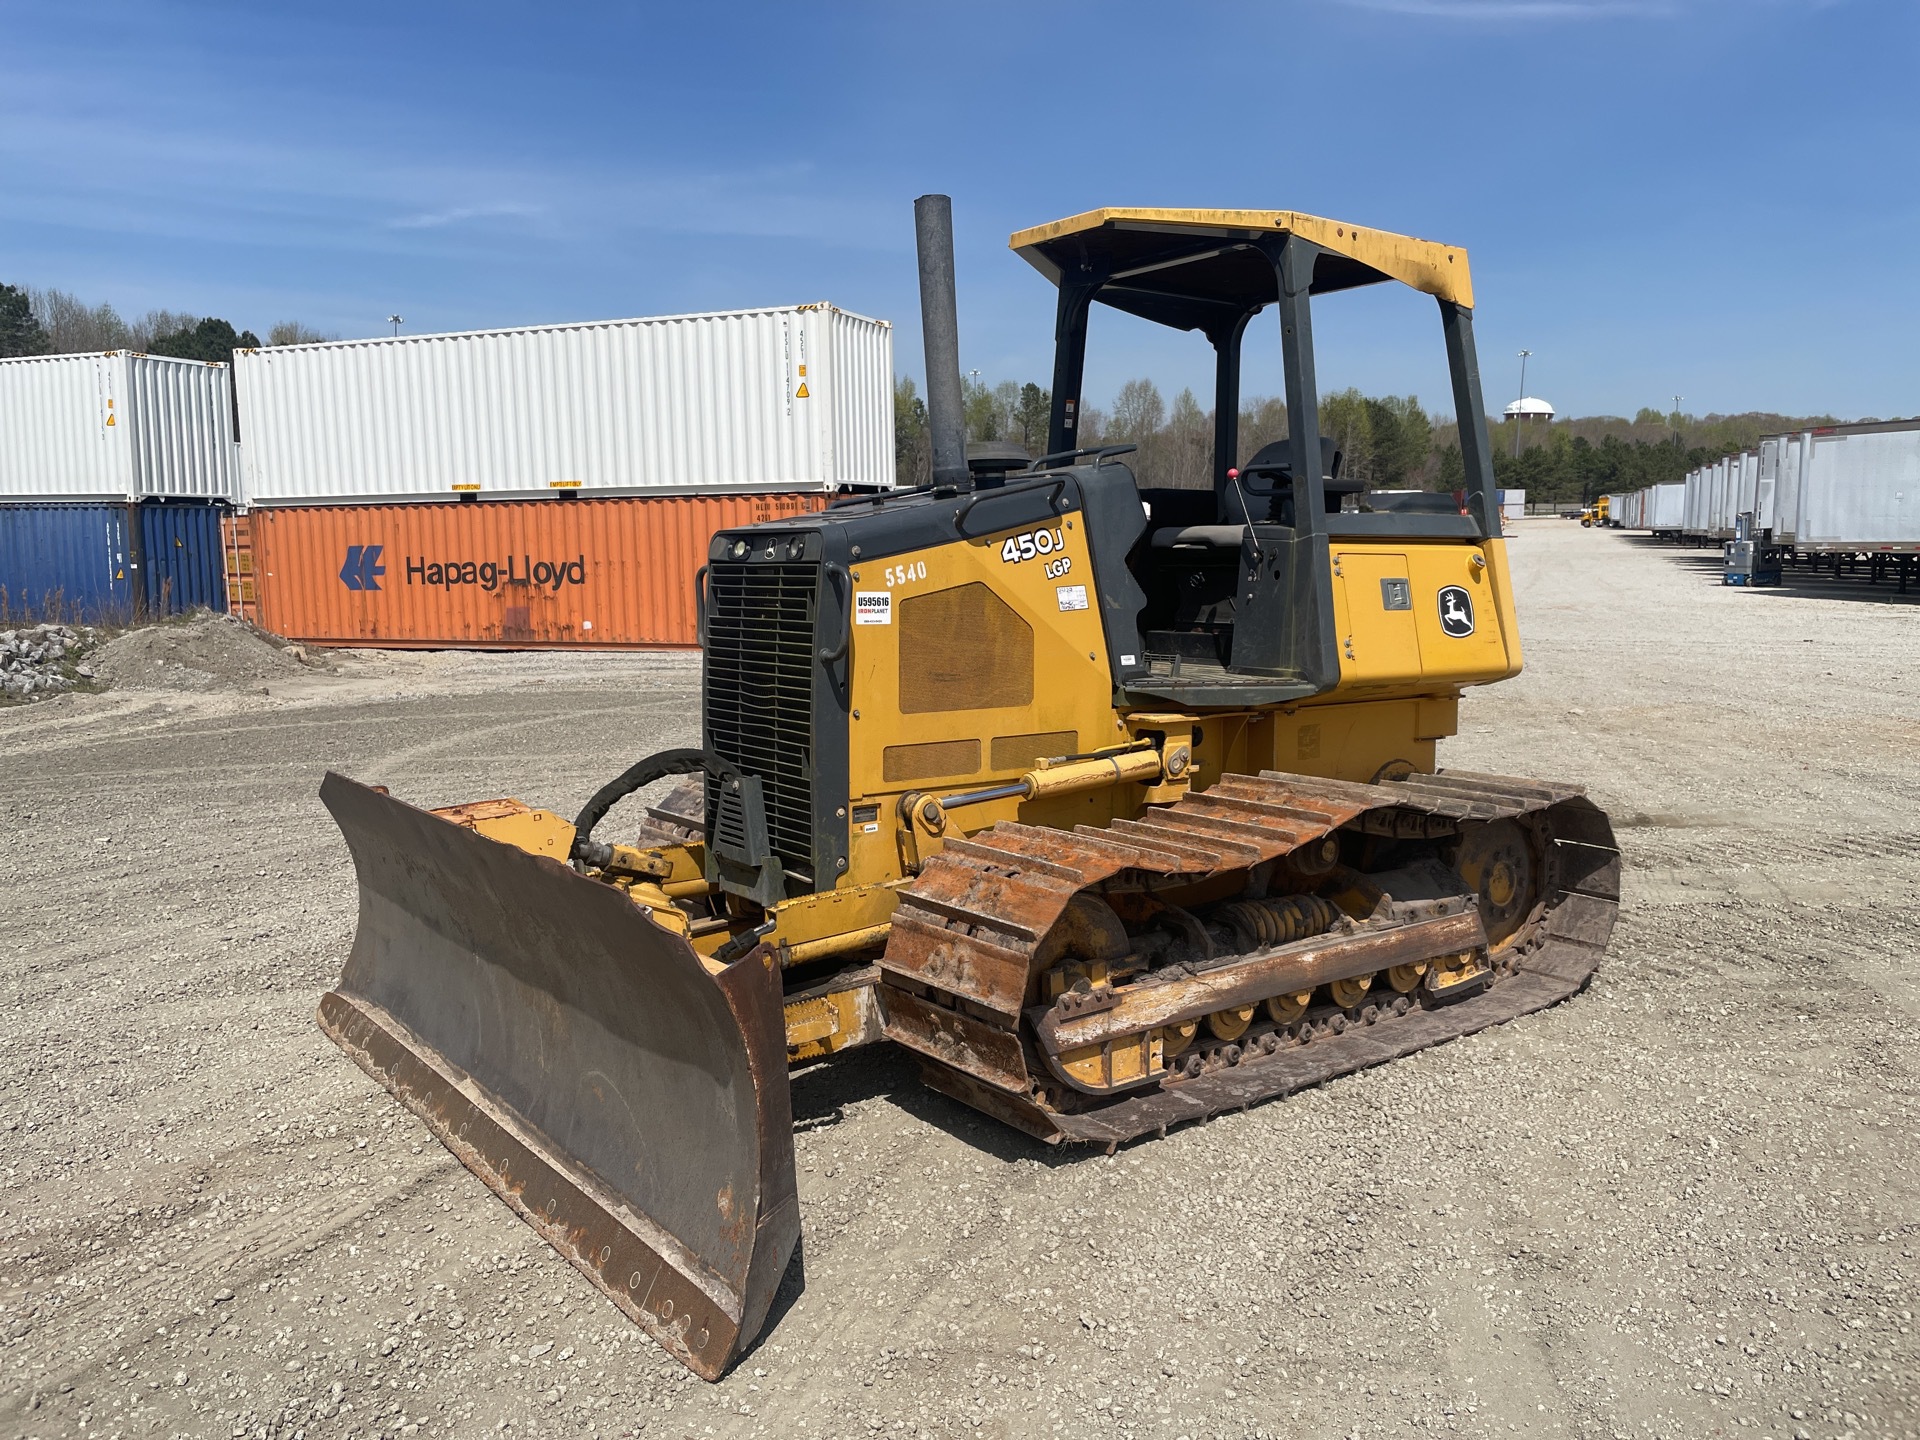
x=206 y=652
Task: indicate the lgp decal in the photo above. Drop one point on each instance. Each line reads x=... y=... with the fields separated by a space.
x=1456 y=611
x=363 y=567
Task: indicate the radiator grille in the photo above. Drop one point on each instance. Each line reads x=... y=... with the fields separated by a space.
x=759 y=693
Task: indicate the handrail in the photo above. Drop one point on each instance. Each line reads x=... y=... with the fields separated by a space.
x=828 y=657
x=1056 y=487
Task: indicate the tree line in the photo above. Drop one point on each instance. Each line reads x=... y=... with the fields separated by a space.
x=1387 y=442
x=54 y=322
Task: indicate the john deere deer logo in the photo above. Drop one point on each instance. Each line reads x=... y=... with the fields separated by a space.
x=1456 y=612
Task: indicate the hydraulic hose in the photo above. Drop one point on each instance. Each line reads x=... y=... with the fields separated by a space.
x=635 y=777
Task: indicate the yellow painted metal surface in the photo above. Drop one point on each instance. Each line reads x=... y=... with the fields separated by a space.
x=1391 y=651
x=1047 y=583
x=1436 y=269
x=1402 y=673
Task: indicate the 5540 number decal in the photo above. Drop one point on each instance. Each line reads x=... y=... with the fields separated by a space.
x=1036 y=545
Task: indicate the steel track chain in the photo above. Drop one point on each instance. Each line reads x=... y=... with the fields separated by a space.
x=957 y=963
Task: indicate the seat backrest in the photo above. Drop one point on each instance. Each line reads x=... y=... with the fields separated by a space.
x=1266 y=480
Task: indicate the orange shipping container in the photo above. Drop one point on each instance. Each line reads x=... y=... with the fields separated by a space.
x=497 y=574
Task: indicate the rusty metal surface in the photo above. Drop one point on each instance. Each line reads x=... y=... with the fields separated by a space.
x=1282 y=969
x=583 y=1062
x=967 y=933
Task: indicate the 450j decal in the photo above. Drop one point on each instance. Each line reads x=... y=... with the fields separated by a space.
x=1035 y=545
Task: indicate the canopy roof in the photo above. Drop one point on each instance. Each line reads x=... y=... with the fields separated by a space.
x=1192 y=268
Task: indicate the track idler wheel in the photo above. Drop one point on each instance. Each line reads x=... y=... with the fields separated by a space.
x=1288 y=1009
x=1497 y=860
x=1230 y=1024
x=1351 y=992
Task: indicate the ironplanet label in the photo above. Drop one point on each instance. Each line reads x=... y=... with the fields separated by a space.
x=492 y=574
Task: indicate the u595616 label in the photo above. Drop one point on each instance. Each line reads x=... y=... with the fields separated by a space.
x=873 y=607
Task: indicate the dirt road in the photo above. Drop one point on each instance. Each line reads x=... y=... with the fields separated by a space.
x=1685 y=1204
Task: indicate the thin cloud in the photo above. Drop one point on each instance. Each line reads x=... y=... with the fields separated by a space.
x=1518 y=10
x=460 y=215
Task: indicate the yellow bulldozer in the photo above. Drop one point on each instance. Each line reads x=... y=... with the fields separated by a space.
x=1115 y=807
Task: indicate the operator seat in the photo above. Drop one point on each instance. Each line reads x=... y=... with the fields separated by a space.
x=1263 y=494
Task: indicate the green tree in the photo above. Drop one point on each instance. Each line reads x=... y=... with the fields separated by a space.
x=1346 y=418
x=912 y=447
x=1402 y=437
x=211 y=340
x=20 y=332
x=979 y=410
x=1031 y=416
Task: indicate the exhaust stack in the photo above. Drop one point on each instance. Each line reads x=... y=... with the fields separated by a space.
x=940 y=324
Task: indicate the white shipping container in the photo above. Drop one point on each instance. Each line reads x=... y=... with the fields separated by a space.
x=1666 y=508
x=1730 y=498
x=1753 y=500
x=1513 y=504
x=1786 y=491
x=1860 y=488
x=115 y=425
x=792 y=399
x=1772 y=449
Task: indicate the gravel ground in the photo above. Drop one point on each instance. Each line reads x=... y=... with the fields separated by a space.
x=1685 y=1204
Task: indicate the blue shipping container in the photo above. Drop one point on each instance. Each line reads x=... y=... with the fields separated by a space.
x=111 y=562
x=181 y=557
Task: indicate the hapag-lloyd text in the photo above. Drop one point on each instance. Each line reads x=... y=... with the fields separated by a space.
x=491 y=574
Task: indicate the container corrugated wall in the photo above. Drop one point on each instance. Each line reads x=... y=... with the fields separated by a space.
x=110 y=561
x=115 y=425
x=182 y=560
x=66 y=562
x=1786 y=493
x=1666 y=507
x=533 y=574
x=791 y=399
x=1860 y=489
x=181 y=432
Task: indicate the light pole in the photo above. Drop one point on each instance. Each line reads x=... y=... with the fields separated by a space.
x=396 y=322
x=1676 y=420
x=1518 y=413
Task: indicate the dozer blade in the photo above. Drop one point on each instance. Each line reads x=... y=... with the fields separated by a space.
x=631 y=1104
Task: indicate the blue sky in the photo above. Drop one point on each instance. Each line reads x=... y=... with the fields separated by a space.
x=1714 y=198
